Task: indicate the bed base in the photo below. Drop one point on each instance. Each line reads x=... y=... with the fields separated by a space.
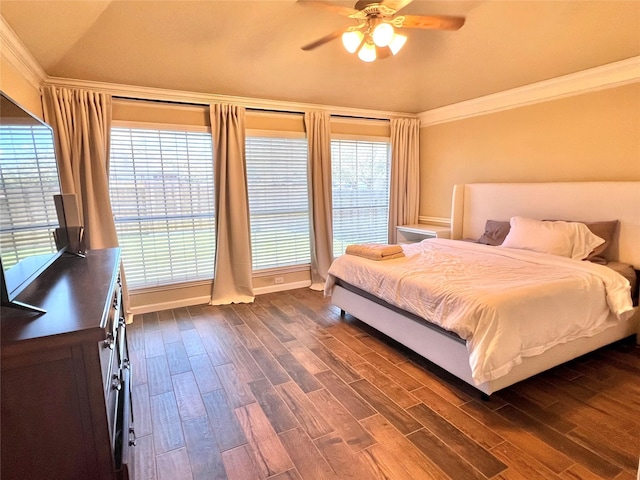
x=452 y=355
x=472 y=205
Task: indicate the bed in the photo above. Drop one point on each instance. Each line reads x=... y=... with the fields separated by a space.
x=454 y=348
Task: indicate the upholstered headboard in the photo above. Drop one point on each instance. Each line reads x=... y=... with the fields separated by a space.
x=475 y=203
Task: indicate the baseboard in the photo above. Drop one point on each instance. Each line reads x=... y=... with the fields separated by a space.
x=156 y=307
x=281 y=287
x=191 y=301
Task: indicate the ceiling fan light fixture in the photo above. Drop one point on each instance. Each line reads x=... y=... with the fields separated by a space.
x=375 y=35
x=397 y=43
x=383 y=34
x=368 y=52
x=352 y=40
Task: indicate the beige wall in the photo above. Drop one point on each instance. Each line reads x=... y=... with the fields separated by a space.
x=159 y=113
x=594 y=136
x=198 y=115
x=19 y=89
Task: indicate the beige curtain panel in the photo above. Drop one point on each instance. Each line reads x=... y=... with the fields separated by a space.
x=232 y=281
x=81 y=122
x=317 y=125
x=404 y=192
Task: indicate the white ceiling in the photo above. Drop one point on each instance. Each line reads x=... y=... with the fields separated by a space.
x=252 y=48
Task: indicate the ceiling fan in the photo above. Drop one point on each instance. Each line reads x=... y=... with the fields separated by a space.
x=375 y=34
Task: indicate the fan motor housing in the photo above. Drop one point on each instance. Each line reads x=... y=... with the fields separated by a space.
x=362 y=4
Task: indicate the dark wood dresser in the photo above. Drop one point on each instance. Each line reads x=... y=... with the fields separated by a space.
x=65 y=375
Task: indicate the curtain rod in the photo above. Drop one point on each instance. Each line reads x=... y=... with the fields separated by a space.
x=155 y=100
x=338 y=115
x=253 y=109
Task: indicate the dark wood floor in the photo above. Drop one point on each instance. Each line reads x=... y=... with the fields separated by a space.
x=285 y=389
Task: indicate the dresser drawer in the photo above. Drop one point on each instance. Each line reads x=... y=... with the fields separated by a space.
x=125 y=434
x=109 y=345
x=108 y=364
x=112 y=399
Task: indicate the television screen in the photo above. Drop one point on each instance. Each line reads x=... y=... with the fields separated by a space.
x=30 y=237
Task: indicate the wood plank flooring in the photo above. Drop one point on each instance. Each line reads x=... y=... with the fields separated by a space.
x=286 y=389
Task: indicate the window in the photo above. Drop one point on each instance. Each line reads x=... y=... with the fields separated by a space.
x=278 y=201
x=29 y=177
x=360 y=179
x=161 y=185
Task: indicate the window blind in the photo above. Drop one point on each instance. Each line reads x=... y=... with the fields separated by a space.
x=278 y=201
x=360 y=183
x=32 y=180
x=161 y=186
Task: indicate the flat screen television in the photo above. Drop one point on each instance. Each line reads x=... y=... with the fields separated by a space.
x=30 y=235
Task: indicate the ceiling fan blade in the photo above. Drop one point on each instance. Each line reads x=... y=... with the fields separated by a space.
x=346 y=11
x=323 y=40
x=438 y=22
x=396 y=4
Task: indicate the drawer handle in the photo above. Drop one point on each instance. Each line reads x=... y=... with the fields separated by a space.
x=109 y=341
x=132 y=437
x=116 y=382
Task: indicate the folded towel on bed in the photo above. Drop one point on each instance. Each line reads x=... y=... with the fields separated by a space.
x=375 y=251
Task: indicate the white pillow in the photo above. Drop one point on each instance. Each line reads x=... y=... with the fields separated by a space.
x=567 y=239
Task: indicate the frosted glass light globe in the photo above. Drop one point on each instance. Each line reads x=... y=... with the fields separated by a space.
x=367 y=53
x=352 y=40
x=383 y=34
x=397 y=43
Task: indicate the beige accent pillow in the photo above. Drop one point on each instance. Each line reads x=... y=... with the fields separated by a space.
x=606 y=231
x=494 y=232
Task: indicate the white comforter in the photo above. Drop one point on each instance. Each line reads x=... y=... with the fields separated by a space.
x=506 y=303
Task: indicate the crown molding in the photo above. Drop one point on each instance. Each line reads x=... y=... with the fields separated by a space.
x=199 y=98
x=606 y=76
x=14 y=51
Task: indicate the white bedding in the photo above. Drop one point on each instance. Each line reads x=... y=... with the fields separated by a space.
x=506 y=303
